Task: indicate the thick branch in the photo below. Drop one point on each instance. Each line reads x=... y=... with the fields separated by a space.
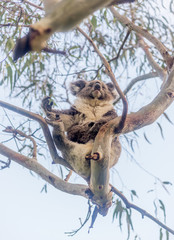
x=60 y=16
x=142 y=211
x=149 y=113
x=161 y=72
x=56 y=158
x=139 y=30
x=33 y=165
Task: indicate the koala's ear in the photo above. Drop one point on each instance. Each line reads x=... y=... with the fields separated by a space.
x=112 y=89
x=76 y=87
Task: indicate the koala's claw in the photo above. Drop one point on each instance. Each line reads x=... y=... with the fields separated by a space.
x=47 y=104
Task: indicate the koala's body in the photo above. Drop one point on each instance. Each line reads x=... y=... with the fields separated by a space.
x=75 y=129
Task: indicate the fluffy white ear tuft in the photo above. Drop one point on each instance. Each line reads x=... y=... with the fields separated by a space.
x=112 y=89
x=76 y=87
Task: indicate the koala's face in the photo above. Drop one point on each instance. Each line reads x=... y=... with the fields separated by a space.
x=93 y=90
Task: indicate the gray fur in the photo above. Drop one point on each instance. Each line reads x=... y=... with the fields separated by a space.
x=75 y=129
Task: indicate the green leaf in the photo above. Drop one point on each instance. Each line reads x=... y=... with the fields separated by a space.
x=161 y=130
x=161 y=234
x=167 y=117
x=147 y=139
x=134 y=193
x=167 y=183
x=44 y=189
x=94 y=22
x=167 y=235
x=10 y=75
x=163 y=209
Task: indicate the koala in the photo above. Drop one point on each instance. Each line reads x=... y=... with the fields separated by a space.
x=75 y=129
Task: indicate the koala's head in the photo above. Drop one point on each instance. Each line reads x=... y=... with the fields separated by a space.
x=94 y=89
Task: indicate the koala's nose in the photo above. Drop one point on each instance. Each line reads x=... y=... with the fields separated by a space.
x=97 y=86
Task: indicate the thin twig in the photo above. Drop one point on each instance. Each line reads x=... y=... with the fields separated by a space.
x=15 y=132
x=162 y=73
x=118 y=54
x=68 y=176
x=82 y=224
x=33 y=5
x=121 y=47
x=143 y=32
x=135 y=80
x=6 y=164
x=140 y=210
x=56 y=158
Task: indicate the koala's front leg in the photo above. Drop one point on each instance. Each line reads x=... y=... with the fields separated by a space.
x=52 y=114
x=60 y=139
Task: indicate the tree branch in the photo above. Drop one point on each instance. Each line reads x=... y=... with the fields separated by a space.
x=161 y=72
x=56 y=158
x=143 y=32
x=32 y=4
x=57 y=20
x=16 y=132
x=149 y=113
x=33 y=165
x=142 y=211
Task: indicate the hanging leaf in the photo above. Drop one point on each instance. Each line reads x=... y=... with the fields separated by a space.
x=166 y=182
x=94 y=22
x=44 y=189
x=147 y=140
x=161 y=130
x=167 y=117
x=10 y=76
x=163 y=209
x=134 y=193
x=161 y=234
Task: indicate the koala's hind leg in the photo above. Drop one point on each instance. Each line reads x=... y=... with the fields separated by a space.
x=47 y=104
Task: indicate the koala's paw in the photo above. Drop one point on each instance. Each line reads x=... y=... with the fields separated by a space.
x=47 y=104
x=53 y=122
